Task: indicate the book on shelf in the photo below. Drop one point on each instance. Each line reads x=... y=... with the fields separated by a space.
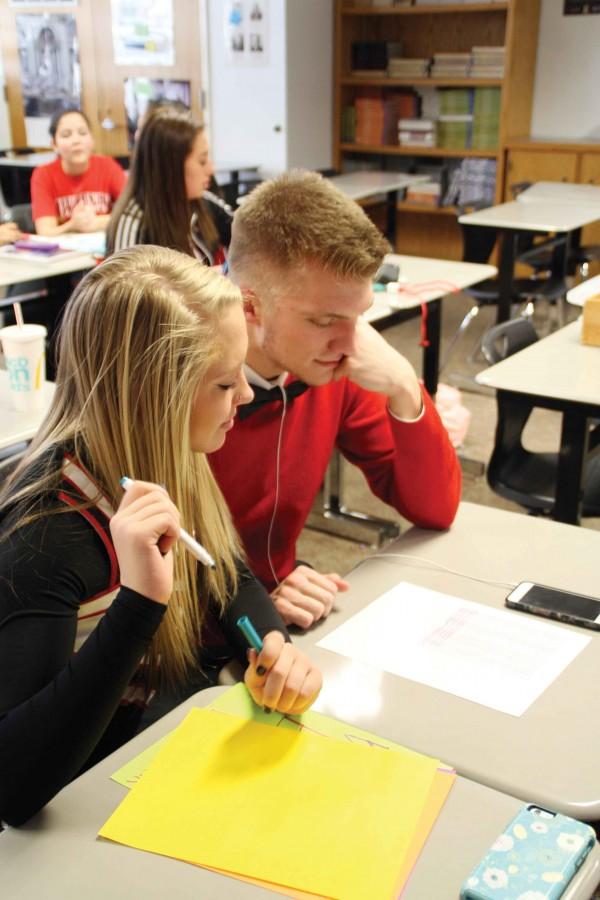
x=427 y=194
x=451 y=65
x=348 y=124
x=369 y=55
x=488 y=62
x=455 y=101
x=471 y=181
x=404 y=67
x=486 y=118
x=416 y=133
x=377 y=113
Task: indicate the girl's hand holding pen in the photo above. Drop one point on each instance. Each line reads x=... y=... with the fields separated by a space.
x=289 y=682
x=144 y=529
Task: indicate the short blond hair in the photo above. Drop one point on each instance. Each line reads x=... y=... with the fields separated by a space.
x=299 y=219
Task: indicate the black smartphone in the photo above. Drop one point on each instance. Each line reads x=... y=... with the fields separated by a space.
x=576 y=609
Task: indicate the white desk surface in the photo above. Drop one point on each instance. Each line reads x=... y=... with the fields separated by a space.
x=548 y=755
x=541 y=215
x=579 y=294
x=57 y=856
x=19 y=426
x=360 y=185
x=28 y=160
x=17 y=271
x=558 y=366
x=443 y=276
x=560 y=191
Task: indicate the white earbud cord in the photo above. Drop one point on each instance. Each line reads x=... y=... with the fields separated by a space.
x=431 y=564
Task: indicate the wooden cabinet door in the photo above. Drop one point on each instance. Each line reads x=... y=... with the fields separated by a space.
x=538 y=165
x=110 y=77
x=589 y=172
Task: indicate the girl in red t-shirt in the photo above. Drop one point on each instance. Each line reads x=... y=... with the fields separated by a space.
x=76 y=192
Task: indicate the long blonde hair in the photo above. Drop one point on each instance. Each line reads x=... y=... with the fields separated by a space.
x=137 y=338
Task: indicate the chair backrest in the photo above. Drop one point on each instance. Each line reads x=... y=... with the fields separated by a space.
x=507 y=338
x=519 y=187
x=478 y=241
x=20 y=213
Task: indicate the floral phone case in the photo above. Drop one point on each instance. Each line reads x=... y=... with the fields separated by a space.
x=534 y=858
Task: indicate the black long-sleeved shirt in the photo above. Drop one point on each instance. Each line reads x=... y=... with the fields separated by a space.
x=59 y=711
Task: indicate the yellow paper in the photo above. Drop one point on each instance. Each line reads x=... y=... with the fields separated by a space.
x=438 y=794
x=238 y=702
x=269 y=803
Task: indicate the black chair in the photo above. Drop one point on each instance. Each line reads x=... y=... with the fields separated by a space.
x=513 y=472
x=21 y=214
x=478 y=243
x=539 y=256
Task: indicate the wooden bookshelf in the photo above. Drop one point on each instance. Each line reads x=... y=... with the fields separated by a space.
x=428 y=10
x=423 y=31
x=408 y=207
x=393 y=150
x=359 y=80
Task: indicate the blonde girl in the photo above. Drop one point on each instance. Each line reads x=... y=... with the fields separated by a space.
x=149 y=379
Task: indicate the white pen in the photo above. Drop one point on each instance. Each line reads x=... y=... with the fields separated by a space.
x=193 y=546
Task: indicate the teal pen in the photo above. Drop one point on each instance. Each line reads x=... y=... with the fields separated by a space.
x=250 y=633
x=253 y=638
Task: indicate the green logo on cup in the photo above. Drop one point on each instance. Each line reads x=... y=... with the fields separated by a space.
x=18 y=372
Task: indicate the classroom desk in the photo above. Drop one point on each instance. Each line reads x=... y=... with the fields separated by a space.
x=589 y=288
x=559 y=373
x=561 y=192
x=538 y=216
x=362 y=185
x=549 y=755
x=57 y=856
x=428 y=282
x=19 y=426
x=16 y=271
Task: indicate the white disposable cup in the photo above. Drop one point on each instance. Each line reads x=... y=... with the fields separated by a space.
x=25 y=359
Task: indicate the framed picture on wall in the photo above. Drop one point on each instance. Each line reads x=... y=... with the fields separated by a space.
x=580 y=7
x=50 y=71
x=142 y=93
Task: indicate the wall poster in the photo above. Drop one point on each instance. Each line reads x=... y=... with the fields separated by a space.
x=139 y=92
x=580 y=7
x=50 y=70
x=247 y=31
x=143 y=32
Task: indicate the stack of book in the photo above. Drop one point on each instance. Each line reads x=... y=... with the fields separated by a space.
x=408 y=68
x=416 y=133
x=488 y=62
x=451 y=65
x=377 y=115
x=486 y=118
x=456 y=118
x=427 y=194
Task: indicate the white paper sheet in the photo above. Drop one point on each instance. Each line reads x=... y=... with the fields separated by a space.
x=494 y=657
